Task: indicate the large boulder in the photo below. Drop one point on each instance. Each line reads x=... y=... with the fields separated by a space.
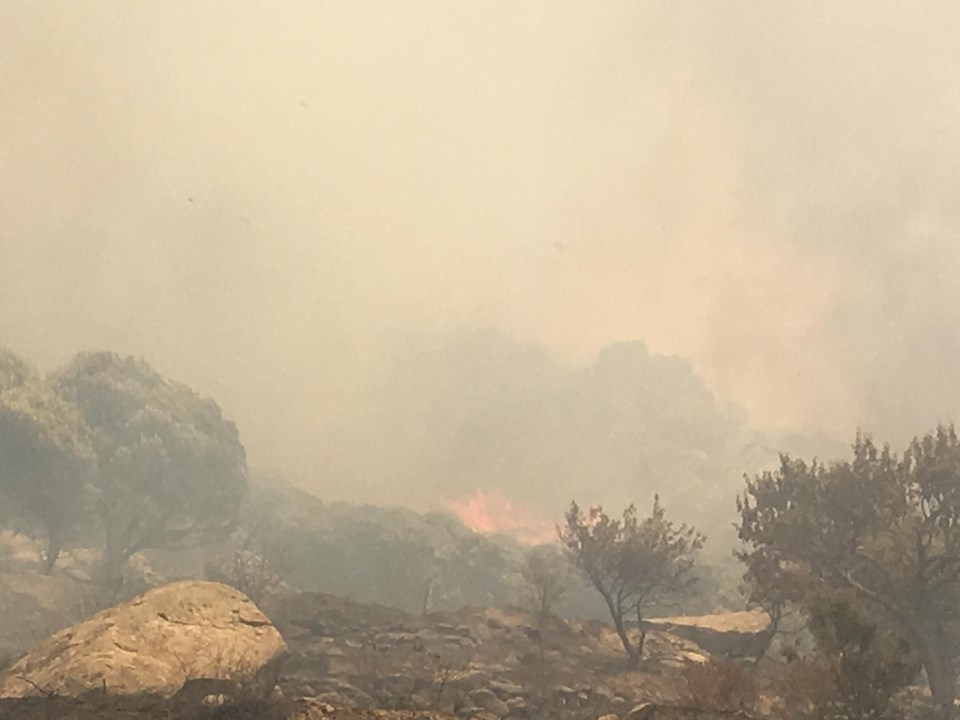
x=181 y=640
x=733 y=634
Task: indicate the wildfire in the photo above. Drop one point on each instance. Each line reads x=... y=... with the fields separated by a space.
x=487 y=511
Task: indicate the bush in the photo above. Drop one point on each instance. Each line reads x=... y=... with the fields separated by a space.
x=804 y=690
x=721 y=685
x=868 y=662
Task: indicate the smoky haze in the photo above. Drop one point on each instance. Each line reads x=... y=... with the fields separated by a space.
x=268 y=203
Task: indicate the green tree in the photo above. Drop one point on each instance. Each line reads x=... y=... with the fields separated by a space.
x=633 y=563
x=45 y=455
x=881 y=528
x=868 y=661
x=171 y=470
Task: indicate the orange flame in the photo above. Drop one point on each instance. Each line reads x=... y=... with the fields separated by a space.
x=493 y=512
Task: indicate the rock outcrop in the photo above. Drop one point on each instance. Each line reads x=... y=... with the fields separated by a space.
x=735 y=634
x=187 y=640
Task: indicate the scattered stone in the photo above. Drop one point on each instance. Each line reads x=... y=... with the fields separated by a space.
x=643 y=711
x=469 y=681
x=487 y=700
x=505 y=689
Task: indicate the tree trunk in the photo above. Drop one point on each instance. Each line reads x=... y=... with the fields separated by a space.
x=942 y=681
x=53 y=551
x=427 y=594
x=625 y=640
x=941 y=674
x=775 y=613
x=111 y=574
x=642 y=627
x=616 y=614
x=541 y=631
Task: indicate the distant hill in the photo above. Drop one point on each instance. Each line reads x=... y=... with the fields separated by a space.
x=414 y=561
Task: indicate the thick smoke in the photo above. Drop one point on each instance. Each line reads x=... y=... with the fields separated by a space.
x=268 y=202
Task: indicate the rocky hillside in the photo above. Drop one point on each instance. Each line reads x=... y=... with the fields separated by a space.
x=499 y=662
x=341 y=659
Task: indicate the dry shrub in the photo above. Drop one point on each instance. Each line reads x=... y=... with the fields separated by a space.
x=805 y=690
x=721 y=685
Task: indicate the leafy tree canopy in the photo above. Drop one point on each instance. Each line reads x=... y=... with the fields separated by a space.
x=882 y=527
x=172 y=470
x=632 y=562
x=45 y=454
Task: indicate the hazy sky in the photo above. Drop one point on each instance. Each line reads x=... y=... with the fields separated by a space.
x=262 y=198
